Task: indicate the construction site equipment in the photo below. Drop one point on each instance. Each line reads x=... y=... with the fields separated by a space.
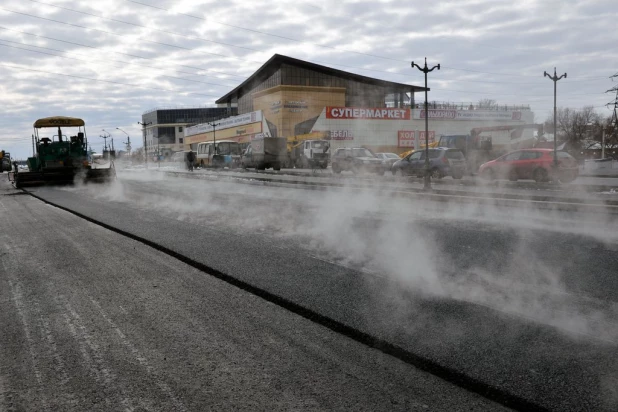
x=62 y=158
x=421 y=147
x=308 y=151
x=479 y=148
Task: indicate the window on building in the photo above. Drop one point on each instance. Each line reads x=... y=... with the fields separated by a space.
x=180 y=129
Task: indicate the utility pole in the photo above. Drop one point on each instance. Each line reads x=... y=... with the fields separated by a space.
x=105 y=137
x=555 y=79
x=614 y=121
x=214 y=138
x=427 y=180
x=214 y=125
x=145 y=146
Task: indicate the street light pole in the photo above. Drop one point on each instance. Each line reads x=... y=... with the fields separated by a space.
x=128 y=142
x=427 y=180
x=145 y=146
x=555 y=79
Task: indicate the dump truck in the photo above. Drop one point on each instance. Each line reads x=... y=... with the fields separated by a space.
x=62 y=158
x=265 y=152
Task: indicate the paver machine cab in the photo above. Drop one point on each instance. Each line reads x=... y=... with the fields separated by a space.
x=63 y=157
x=5 y=161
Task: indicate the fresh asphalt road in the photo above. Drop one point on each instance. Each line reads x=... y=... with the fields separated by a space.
x=521 y=300
x=93 y=321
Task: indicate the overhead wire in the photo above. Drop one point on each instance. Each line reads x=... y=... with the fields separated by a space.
x=115 y=52
x=188 y=49
x=199 y=38
x=241 y=47
x=315 y=44
x=105 y=61
x=106 y=81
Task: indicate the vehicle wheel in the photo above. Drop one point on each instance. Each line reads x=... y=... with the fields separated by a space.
x=436 y=174
x=336 y=168
x=324 y=165
x=540 y=175
x=488 y=174
x=397 y=172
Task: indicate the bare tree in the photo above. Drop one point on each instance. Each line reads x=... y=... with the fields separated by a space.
x=575 y=126
x=487 y=104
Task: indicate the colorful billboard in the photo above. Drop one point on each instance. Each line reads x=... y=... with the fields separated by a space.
x=226 y=123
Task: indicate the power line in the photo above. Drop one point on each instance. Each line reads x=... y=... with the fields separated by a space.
x=319 y=45
x=229 y=44
x=167 y=44
x=119 y=35
x=224 y=43
x=269 y=34
x=107 y=62
x=120 y=53
x=107 y=81
x=145 y=27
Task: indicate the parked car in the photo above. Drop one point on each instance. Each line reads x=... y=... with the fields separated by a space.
x=442 y=162
x=356 y=159
x=534 y=164
x=388 y=159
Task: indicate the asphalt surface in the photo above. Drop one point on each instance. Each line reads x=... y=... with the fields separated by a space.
x=522 y=301
x=94 y=321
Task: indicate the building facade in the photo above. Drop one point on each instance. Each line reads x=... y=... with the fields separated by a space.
x=165 y=127
x=294 y=97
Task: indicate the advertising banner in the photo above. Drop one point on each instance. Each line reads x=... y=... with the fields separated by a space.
x=380 y=113
x=405 y=138
x=453 y=114
x=226 y=123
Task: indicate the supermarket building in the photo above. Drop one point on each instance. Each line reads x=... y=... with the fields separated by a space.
x=287 y=97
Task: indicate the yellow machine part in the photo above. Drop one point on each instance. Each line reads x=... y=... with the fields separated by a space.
x=431 y=145
x=298 y=139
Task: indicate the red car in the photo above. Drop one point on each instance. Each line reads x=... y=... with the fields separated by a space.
x=534 y=164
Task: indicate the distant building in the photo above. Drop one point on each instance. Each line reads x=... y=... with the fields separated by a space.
x=165 y=126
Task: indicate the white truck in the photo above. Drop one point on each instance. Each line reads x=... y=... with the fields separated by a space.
x=310 y=154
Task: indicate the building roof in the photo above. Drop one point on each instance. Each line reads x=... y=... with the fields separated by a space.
x=273 y=64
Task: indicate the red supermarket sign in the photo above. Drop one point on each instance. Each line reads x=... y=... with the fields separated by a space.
x=405 y=138
x=379 y=113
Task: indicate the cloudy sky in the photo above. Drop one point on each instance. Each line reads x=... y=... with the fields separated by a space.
x=108 y=61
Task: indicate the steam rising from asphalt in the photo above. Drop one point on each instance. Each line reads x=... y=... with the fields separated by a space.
x=386 y=236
